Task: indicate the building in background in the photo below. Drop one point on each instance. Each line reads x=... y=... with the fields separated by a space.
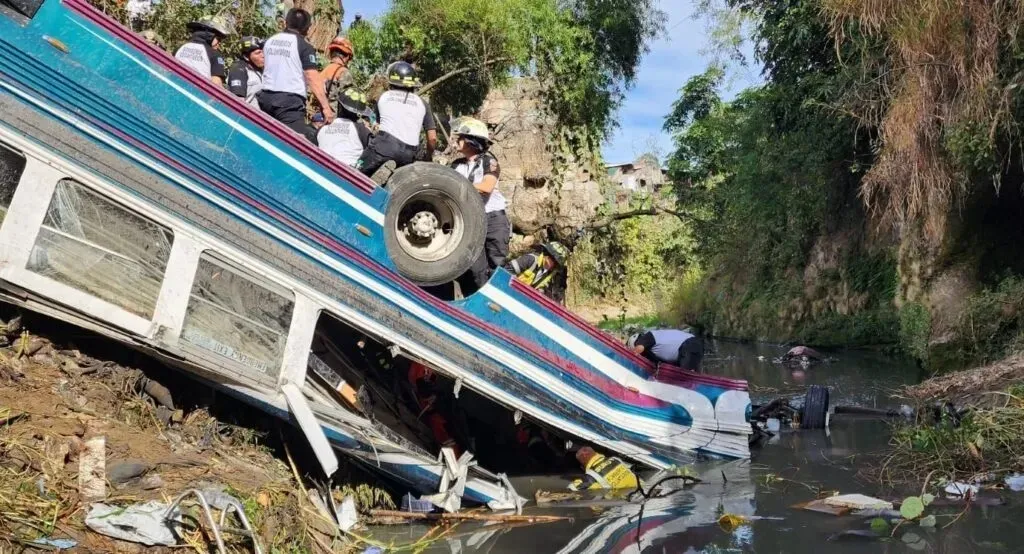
x=644 y=175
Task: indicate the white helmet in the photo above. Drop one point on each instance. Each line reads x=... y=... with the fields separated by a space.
x=631 y=341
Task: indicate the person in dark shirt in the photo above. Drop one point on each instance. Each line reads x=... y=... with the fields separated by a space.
x=245 y=76
x=670 y=346
x=291 y=68
x=200 y=52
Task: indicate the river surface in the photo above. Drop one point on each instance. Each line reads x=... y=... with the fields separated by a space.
x=809 y=461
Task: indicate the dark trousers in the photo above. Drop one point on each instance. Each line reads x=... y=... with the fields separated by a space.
x=289 y=109
x=382 y=148
x=691 y=352
x=499 y=231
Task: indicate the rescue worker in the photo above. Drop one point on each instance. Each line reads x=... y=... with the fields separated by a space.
x=403 y=115
x=200 y=52
x=434 y=402
x=539 y=267
x=291 y=67
x=336 y=75
x=153 y=38
x=245 y=76
x=670 y=346
x=602 y=472
x=348 y=136
x=482 y=169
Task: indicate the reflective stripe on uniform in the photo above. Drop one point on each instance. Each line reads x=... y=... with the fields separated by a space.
x=195 y=56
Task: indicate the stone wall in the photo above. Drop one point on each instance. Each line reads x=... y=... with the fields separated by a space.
x=541 y=197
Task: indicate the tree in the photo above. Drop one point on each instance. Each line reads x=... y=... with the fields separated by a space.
x=583 y=52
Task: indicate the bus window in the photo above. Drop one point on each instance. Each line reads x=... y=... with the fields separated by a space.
x=238 y=317
x=98 y=247
x=12 y=165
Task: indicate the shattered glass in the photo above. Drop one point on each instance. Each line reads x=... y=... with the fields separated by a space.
x=12 y=165
x=235 y=317
x=98 y=247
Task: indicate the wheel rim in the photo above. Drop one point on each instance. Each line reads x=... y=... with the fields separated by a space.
x=429 y=225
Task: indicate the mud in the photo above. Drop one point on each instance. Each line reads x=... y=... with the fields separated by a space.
x=54 y=401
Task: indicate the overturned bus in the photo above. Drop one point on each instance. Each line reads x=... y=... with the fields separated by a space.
x=140 y=201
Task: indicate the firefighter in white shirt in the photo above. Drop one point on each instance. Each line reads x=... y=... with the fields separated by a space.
x=200 y=52
x=347 y=137
x=245 y=76
x=481 y=168
x=403 y=115
x=291 y=67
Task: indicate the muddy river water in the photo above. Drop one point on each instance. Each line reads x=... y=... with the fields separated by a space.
x=686 y=521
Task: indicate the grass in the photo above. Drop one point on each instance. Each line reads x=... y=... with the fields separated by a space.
x=623 y=324
x=986 y=440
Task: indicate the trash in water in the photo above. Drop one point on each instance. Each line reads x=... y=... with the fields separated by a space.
x=772 y=425
x=547 y=497
x=1015 y=482
x=962 y=489
x=729 y=522
x=858 y=502
x=141 y=523
x=820 y=507
x=347 y=516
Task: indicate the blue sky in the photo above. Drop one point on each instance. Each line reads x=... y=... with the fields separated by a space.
x=673 y=59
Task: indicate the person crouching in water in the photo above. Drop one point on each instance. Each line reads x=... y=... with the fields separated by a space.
x=245 y=76
x=347 y=137
x=602 y=472
x=669 y=346
x=403 y=115
x=481 y=168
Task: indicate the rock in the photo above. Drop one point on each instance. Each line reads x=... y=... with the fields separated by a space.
x=157 y=392
x=150 y=482
x=121 y=472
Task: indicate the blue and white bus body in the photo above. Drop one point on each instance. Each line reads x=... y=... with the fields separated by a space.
x=94 y=110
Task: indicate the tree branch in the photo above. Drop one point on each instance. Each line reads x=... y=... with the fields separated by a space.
x=653 y=210
x=456 y=72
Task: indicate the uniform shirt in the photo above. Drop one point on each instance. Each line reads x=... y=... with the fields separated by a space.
x=336 y=79
x=484 y=164
x=663 y=344
x=245 y=81
x=287 y=55
x=344 y=140
x=201 y=58
x=403 y=115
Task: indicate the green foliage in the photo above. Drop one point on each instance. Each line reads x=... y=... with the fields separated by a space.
x=912 y=507
x=583 y=52
x=169 y=18
x=870 y=327
x=981 y=440
x=915 y=328
x=994 y=322
x=635 y=257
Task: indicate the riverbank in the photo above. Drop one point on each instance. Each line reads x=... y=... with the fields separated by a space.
x=83 y=421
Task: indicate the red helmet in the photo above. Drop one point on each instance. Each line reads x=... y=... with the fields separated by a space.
x=341 y=45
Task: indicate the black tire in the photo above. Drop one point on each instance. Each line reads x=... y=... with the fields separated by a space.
x=815 y=409
x=440 y=190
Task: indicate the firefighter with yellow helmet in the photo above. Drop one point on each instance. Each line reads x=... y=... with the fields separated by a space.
x=539 y=267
